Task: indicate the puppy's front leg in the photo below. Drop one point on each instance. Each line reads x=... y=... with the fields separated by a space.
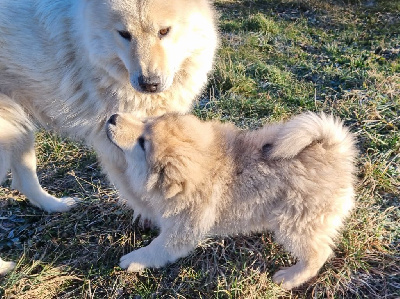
x=162 y=250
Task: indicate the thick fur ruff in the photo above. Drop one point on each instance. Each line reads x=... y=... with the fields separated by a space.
x=67 y=65
x=196 y=179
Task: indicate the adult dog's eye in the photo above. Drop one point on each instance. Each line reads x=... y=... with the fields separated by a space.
x=164 y=31
x=141 y=142
x=125 y=34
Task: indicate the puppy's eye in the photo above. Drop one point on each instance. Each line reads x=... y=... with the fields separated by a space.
x=141 y=142
x=164 y=31
x=125 y=34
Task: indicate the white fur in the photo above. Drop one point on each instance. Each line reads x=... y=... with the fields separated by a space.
x=206 y=178
x=65 y=67
x=6 y=267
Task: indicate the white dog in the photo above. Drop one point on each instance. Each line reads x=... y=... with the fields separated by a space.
x=67 y=65
x=196 y=179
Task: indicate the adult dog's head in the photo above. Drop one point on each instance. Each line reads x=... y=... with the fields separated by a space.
x=171 y=156
x=154 y=42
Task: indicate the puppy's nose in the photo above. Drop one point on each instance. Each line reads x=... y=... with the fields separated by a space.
x=149 y=84
x=113 y=119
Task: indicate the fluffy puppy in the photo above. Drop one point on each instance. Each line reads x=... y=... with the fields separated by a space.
x=196 y=179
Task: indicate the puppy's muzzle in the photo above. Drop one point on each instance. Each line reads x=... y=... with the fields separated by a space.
x=113 y=119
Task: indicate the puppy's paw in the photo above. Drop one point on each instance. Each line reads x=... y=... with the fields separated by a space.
x=6 y=267
x=131 y=263
x=291 y=277
x=281 y=278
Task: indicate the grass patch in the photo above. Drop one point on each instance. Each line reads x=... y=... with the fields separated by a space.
x=277 y=58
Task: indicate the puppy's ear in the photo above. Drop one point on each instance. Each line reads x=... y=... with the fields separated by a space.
x=171 y=180
x=183 y=156
x=172 y=189
x=168 y=179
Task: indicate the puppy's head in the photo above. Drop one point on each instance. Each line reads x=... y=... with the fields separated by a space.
x=171 y=154
x=123 y=130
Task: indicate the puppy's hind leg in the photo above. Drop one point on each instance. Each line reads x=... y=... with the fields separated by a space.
x=311 y=259
x=311 y=243
x=17 y=145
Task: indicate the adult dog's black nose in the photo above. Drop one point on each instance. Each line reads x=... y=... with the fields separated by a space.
x=149 y=84
x=113 y=119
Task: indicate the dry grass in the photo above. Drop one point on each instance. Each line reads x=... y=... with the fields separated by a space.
x=277 y=58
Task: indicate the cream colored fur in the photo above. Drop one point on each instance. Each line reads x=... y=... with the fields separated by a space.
x=196 y=179
x=67 y=65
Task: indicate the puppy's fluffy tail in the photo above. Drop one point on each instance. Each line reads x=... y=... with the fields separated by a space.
x=307 y=128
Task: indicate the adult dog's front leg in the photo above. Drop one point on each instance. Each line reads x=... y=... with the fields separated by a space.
x=6 y=267
x=161 y=251
x=17 y=151
x=25 y=180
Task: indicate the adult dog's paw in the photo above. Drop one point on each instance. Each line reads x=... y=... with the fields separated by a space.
x=6 y=267
x=53 y=204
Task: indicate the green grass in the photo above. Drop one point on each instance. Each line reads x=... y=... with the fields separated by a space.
x=276 y=59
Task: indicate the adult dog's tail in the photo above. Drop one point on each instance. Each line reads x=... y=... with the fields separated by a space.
x=307 y=128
